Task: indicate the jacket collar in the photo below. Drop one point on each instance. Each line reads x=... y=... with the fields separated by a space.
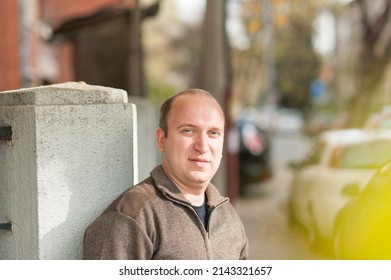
x=168 y=188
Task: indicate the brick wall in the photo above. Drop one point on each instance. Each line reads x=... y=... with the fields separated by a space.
x=57 y=11
x=9 y=50
x=52 y=11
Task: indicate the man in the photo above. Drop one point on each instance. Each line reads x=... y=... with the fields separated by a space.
x=176 y=213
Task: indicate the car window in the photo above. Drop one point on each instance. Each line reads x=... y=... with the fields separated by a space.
x=386 y=124
x=315 y=154
x=380 y=184
x=365 y=155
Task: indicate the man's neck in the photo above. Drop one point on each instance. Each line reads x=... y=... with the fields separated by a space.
x=195 y=200
x=195 y=195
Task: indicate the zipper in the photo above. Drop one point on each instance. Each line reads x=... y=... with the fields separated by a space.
x=209 y=215
x=205 y=232
x=188 y=205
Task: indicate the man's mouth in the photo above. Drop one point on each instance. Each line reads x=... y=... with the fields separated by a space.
x=200 y=160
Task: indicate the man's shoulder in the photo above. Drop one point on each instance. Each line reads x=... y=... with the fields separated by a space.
x=135 y=198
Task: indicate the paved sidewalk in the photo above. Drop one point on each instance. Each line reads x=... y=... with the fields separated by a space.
x=265 y=217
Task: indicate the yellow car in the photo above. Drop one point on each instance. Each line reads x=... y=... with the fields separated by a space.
x=363 y=226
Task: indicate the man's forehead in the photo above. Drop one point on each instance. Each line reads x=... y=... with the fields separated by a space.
x=197 y=102
x=211 y=121
x=196 y=114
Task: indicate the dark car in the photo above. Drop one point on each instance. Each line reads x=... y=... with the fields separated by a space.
x=363 y=226
x=254 y=155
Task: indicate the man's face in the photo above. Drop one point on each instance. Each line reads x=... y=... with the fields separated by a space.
x=192 y=150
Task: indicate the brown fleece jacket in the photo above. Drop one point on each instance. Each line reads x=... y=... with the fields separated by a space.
x=153 y=220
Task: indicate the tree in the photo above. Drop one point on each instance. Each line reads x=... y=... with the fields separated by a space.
x=215 y=74
x=375 y=56
x=295 y=61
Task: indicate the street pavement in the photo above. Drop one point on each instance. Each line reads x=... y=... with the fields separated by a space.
x=264 y=210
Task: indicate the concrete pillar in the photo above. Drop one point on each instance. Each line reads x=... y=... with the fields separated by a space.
x=147 y=123
x=73 y=150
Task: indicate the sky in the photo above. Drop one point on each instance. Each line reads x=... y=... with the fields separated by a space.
x=190 y=10
x=324 y=39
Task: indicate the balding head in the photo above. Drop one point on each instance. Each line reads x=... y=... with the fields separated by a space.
x=167 y=105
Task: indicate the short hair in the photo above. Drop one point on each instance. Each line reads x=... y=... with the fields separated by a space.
x=166 y=106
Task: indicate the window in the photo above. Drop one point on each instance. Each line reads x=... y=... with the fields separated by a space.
x=371 y=155
x=315 y=154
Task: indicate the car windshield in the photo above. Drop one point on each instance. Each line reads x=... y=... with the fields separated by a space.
x=385 y=124
x=380 y=184
x=365 y=156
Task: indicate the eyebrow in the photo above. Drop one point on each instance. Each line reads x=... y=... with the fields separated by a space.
x=186 y=125
x=195 y=126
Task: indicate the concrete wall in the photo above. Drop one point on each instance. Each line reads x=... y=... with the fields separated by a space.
x=73 y=150
x=147 y=123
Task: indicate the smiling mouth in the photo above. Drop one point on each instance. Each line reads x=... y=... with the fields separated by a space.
x=199 y=160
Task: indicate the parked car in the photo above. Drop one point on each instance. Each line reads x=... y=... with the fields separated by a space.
x=362 y=227
x=337 y=158
x=254 y=154
x=378 y=121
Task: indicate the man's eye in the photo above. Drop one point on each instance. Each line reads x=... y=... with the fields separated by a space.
x=187 y=131
x=214 y=133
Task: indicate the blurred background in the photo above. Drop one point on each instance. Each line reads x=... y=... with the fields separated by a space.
x=285 y=72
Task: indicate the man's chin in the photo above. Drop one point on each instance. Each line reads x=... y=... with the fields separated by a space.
x=201 y=177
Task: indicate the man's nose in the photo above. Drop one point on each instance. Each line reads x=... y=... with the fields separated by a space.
x=201 y=143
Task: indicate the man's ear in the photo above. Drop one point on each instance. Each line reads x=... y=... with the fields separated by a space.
x=160 y=139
